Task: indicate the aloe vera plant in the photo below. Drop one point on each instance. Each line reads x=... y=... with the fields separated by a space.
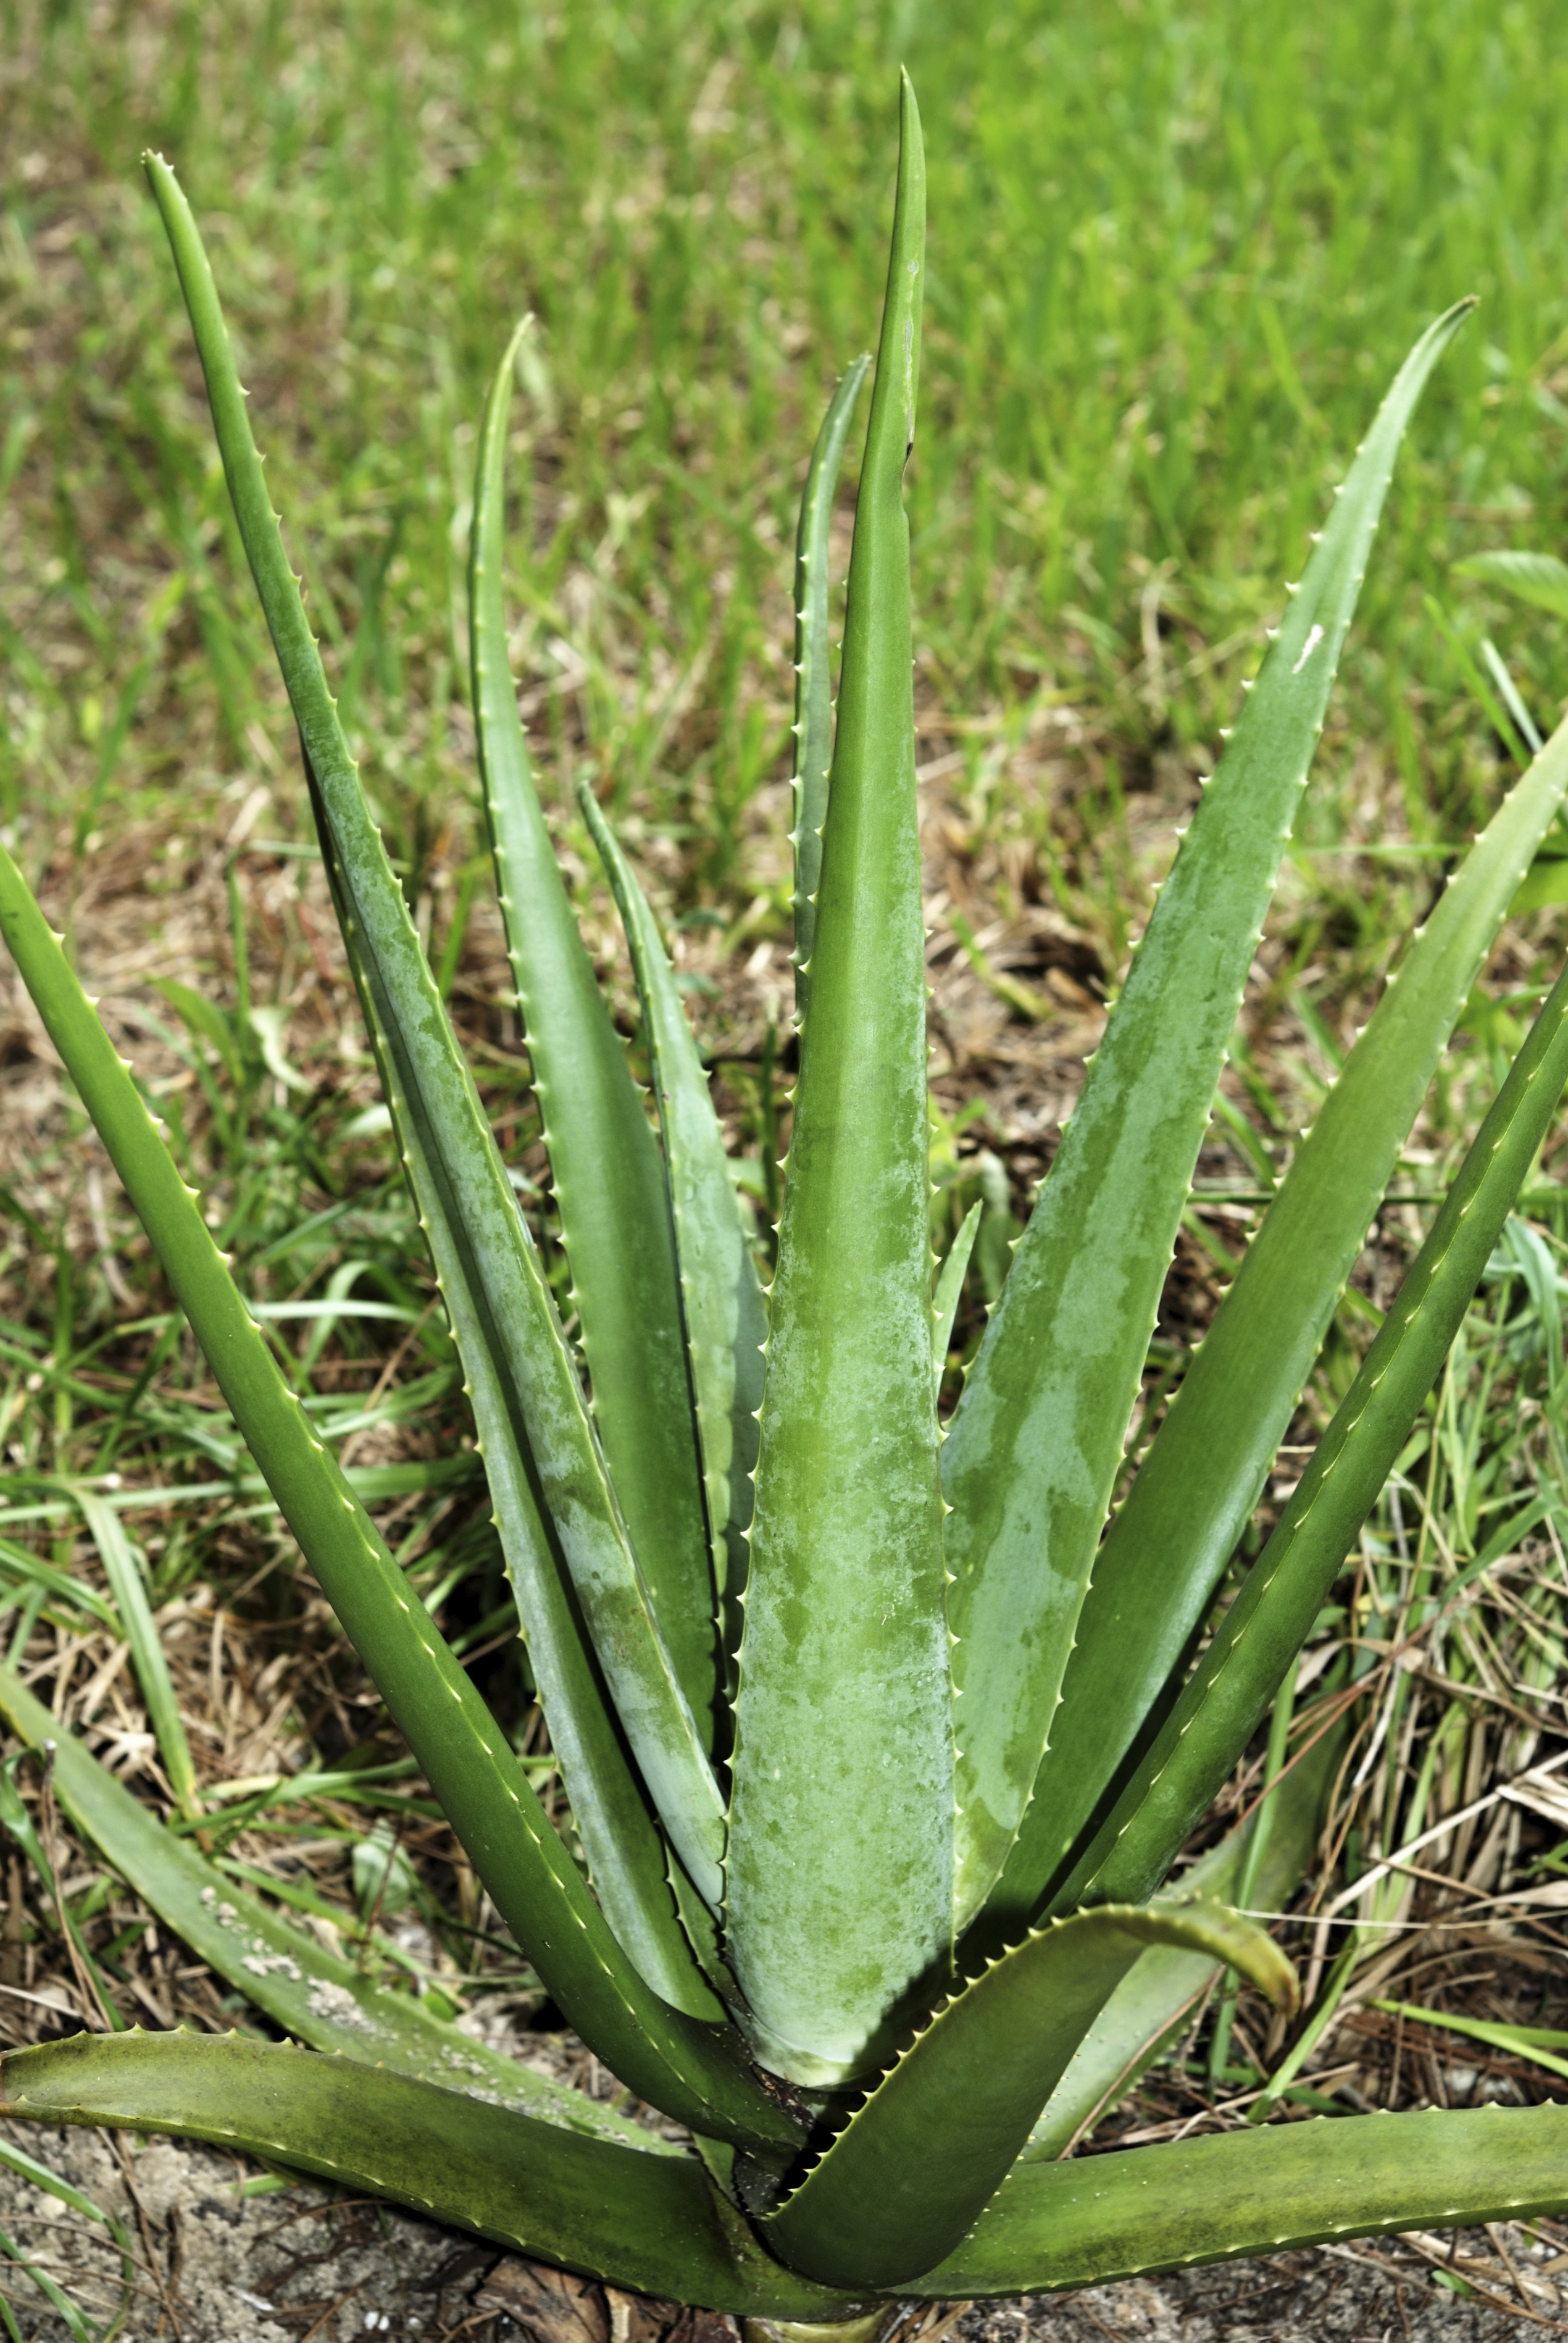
x=880 y=1745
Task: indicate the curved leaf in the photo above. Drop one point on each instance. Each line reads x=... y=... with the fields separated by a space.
x=650 y=2223
x=609 y=1183
x=915 y=2164
x=1166 y=1983
x=1168 y=1546
x=1259 y=2192
x=284 y=1969
x=839 y=1867
x=471 y=1191
x=721 y=1300
x=813 y=680
x=1037 y=1438
x=1286 y=1588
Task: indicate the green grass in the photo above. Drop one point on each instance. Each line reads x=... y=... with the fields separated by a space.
x=1173 y=254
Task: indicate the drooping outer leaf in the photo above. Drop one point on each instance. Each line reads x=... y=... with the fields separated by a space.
x=1282 y=1593
x=721 y=1299
x=609 y=1183
x=814 y=679
x=1257 y=2192
x=1163 y=1556
x=628 y=1859
x=1036 y=1437
x=1166 y=1983
x=651 y=2223
x=839 y=1869
x=914 y=2167
x=484 y=1792
x=476 y=1199
x=281 y=1968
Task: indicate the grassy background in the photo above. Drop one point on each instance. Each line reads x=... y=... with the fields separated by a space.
x=1176 y=253
x=1175 y=256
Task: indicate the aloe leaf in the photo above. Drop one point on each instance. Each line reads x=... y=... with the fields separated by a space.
x=1099 y=2217
x=813 y=678
x=609 y=1184
x=721 y=1300
x=627 y=1860
x=1167 y=1549
x=1537 y=578
x=647 y=2223
x=840 y=1869
x=281 y=1968
x=1282 y=1594
x=128 y=1584
x=475 y=1198
x=495 y=1811
x=1166 y=1983
x=918 y=2160
x=951 y=1286
x=1037 y=1438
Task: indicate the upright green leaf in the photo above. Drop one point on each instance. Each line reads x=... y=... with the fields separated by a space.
x=721 y=1300
x=486 y=1796
x=1037 y=1438
x=471 y=1188
x=282 y=1968
x=628 y=1859
x=1170 y=1543
x=813 y=676
x=840 y=1870
x=608 y=1182
x=650 y=2223
x=920 y=2160
x=1099 y=2217
x=1266 y=1625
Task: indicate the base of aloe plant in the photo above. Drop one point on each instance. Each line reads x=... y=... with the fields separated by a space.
x=862 y=2330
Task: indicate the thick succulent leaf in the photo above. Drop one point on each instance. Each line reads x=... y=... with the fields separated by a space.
x=917 y=2162
x=721 y=1299
x=484 y=1792
x=1538 y=577
x=813 y=676
x=1272 y=1615
x=284 y=1969
x=649 y=2223
x=1166 y=1983
x=840 y=1871
x=609 y=1184
x=475 y=1198
x=626 y=1857
x=1165 y=1552
x=1098 y=2217
x=1037 y=1438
